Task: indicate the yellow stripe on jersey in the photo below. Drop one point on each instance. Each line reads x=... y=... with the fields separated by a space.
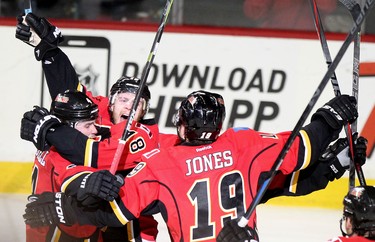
x=80 y=87
x=306 y=142
x=56 y=235
x=66 y=183
x=88 y=152
x=306 y=161
x=120 y=216
x=294 y=182
x=130 y=231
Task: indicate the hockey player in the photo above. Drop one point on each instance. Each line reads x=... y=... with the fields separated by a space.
x=358 y=215
x=74 y=146
x=97 y=154
x=74 y=109
x=313 y=178
x=53 y=57
x=206 y=180
x=332 y=165
x=60 y=75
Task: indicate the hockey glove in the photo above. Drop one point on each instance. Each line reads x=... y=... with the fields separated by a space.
x=98 y=186
x=231 y=232
x=42 y=34
x=49 y=208
x=23 y=31
x=338 y=111
x=360 y=147
x=35 y=124
x=338 y=155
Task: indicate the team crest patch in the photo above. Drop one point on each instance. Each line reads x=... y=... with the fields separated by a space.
x=136 y=169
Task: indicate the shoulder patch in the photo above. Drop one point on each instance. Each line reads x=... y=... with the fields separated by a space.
x=136 y=169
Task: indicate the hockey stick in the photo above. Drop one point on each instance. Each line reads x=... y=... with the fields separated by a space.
x=354 y=8
x=359 y=20
x=336 y=89
x=27 y=5
x=146 y=71
x=323 y=42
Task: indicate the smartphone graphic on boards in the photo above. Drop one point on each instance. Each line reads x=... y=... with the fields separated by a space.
x=90 y=57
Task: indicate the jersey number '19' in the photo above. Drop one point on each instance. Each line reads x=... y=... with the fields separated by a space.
x=230 y=200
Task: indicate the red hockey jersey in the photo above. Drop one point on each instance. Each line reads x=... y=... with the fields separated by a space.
x=198 y=188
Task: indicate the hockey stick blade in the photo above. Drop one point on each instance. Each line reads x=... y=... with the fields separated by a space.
x=359 y=20
x=130 y=121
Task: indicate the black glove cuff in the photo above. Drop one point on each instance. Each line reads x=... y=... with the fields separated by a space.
x=65 y=212
x=50 y=208
x=50 y=38
x=337 y=169
x=27 y=129
x=40 y=133
x=328 y=117
x=100 y=185
x=42 y=48
x=360 y=151
x=27 y=132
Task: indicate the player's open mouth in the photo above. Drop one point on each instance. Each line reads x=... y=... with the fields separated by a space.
x=124 y=117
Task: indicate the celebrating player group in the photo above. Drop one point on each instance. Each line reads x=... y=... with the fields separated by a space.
x=201 y=179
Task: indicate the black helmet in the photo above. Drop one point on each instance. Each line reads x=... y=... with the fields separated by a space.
x=202 y=113
x=359 y=204
x=72 y=106
x=128 y=84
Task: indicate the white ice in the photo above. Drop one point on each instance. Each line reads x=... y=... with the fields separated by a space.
x=276 y=223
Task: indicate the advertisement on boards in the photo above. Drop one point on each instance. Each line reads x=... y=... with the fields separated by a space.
x=266 y=82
